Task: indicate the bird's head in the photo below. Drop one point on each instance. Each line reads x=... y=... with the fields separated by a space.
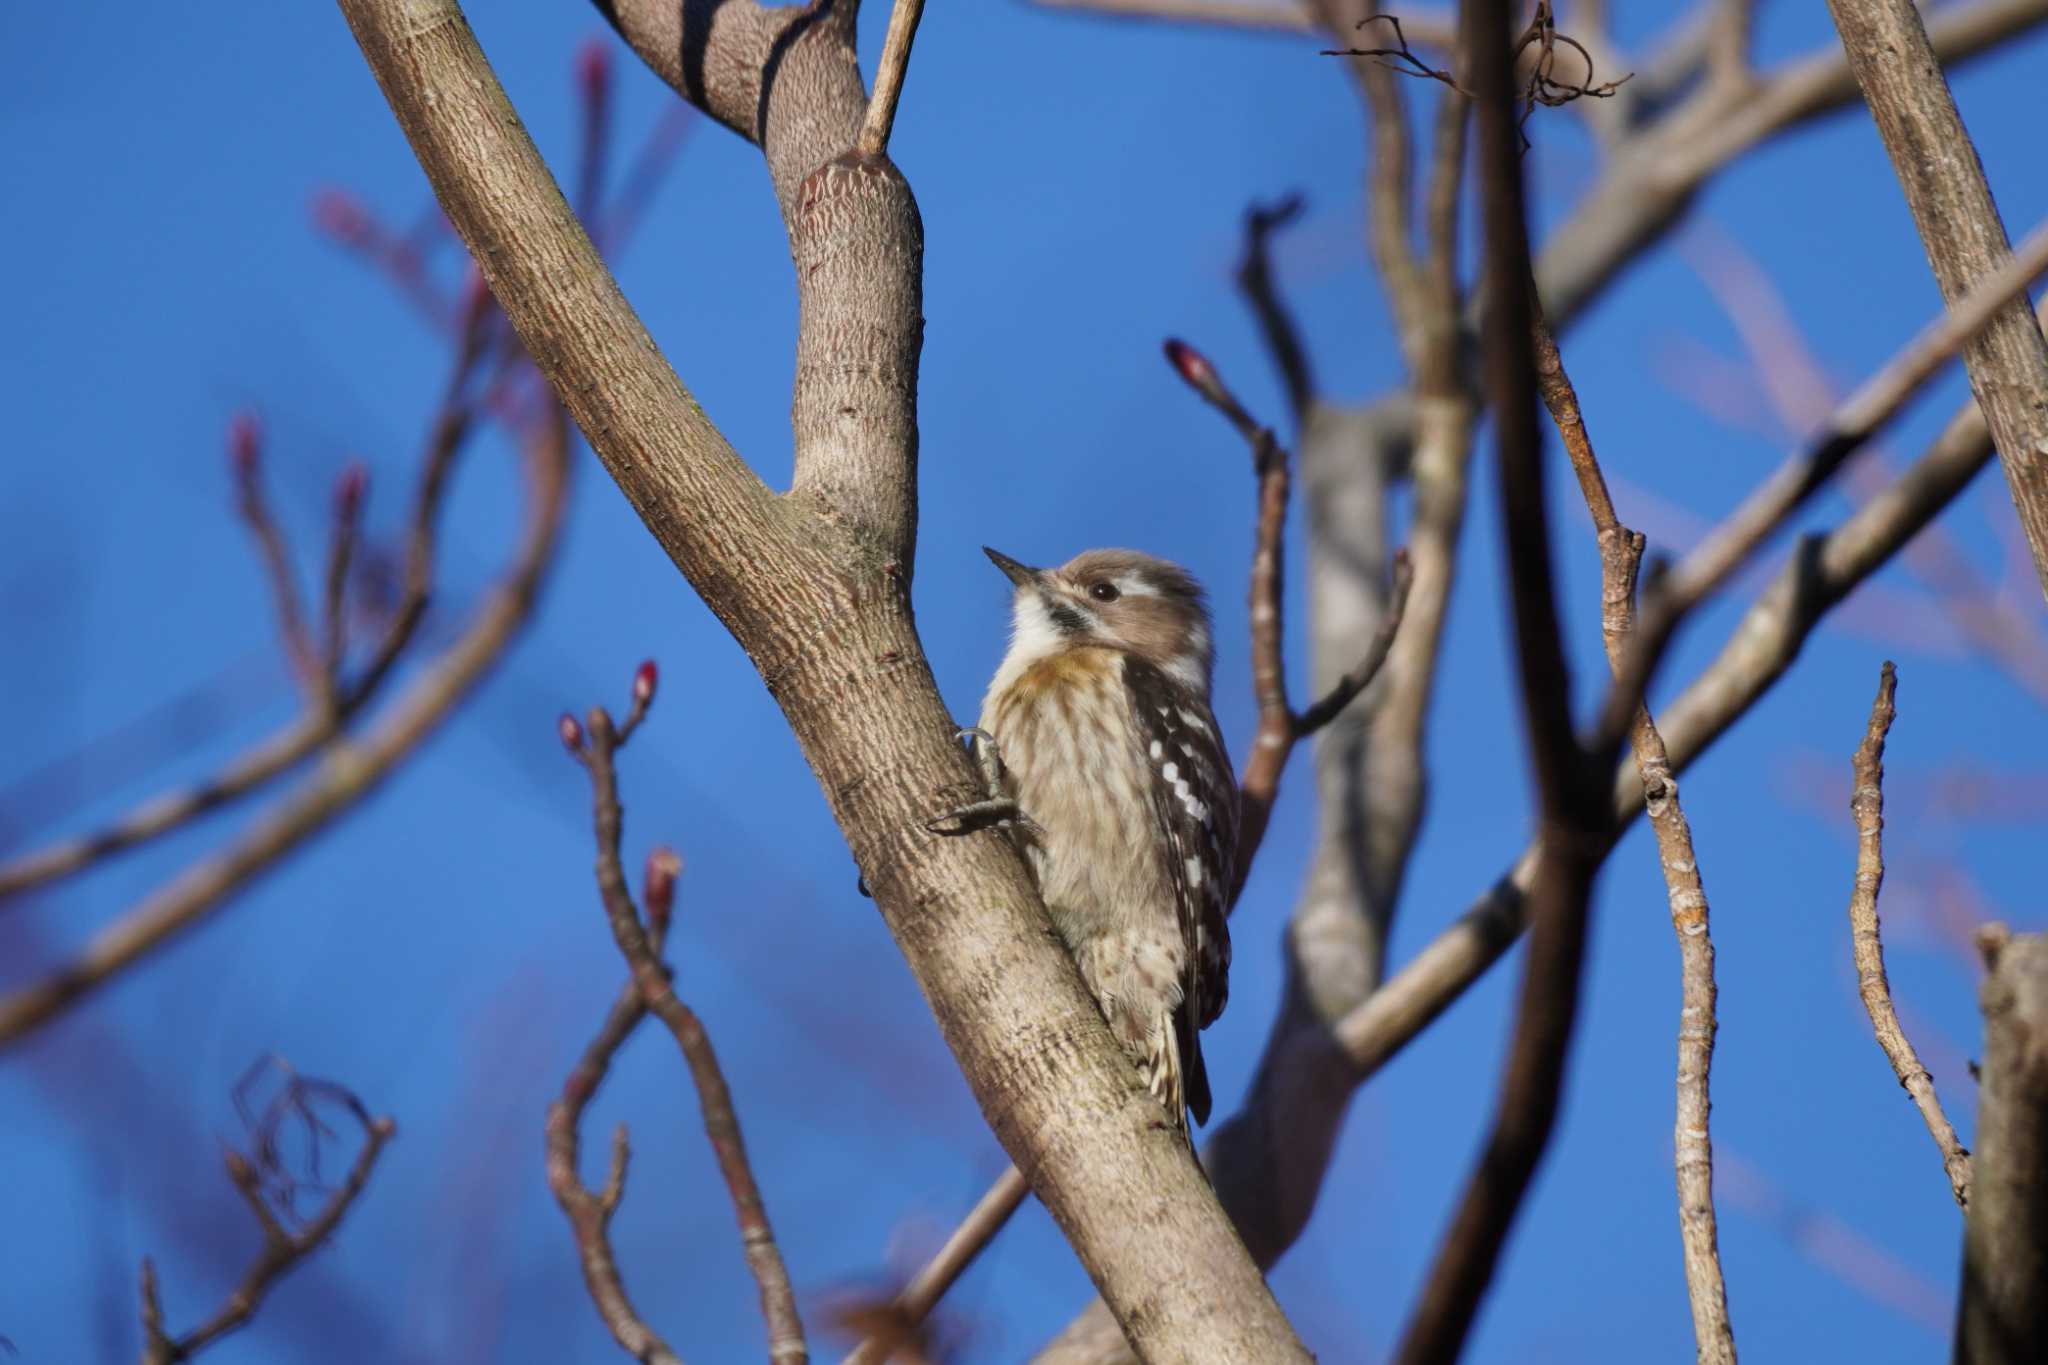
x=1120 y=598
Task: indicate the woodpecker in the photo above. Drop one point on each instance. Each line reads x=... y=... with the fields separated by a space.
x=1098 y=738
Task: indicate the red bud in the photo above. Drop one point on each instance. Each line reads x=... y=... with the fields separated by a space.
x=342 y=216
x=571 y=731
x=1194 y=367
x=594 y=68
x=644 y=679
x=348 y=492
x=245 y=444
x=664 y=865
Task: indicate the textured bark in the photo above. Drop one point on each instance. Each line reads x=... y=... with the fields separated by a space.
x=814 y=584
x=2003 y=1315
x=1937 y=164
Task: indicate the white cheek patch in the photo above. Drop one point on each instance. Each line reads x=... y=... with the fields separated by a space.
x=1033 y=633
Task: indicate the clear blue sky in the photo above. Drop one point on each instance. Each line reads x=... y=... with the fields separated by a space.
x=441 y=951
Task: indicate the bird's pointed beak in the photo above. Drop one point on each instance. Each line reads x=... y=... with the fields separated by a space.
x=1023 y=575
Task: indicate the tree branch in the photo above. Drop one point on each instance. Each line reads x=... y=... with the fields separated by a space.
x=1621 y=555
x=1571 y=803
x=814 y=587
x=282 y=1249
x=2003 y=1315
x=350 y=769
x=881 y=114
x=639 y=944
x=1900 y=74
x=1866 y=805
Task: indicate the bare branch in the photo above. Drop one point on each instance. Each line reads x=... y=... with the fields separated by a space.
x=814 y=587
x=245 y=455
x=881 y=114
x=1434 y=27
x=348 y=771
x=1900 y=74
x=330 y=712
x=1571 y=801
x=1276 y=324
x=1280 y=726
x=1621 y=554
x=282 y=1249
x=1728 y=42
x=590 y=1211
x=657 y=994
x=1866 y=805
x=2003 y=1317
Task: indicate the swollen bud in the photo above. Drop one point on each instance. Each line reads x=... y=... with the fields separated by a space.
x=348 y=492
x=342 y=216
x=571 y=731
x=1194 y=367
x=644 y=679
x=664 y=865
x=594 y=69
x=245 y=445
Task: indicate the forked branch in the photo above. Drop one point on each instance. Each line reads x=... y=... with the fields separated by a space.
x=261 y=1181
x=595 y=744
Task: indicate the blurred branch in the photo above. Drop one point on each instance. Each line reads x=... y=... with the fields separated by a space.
x=245 y=457
x=902 y=1319
x=349 y=769
x=590 y=1211
x=596 y=747
x=1276 y=323
x=1900 y=74
x=1867 y=806
x=282 y=1248
x=2003 y=1317
x=1621 y=555
x=334 y=701
x=1571 y=800
x=1432 y=26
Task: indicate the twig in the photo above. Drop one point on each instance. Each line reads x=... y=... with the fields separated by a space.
x=1280 y=726
x=2003 y=1317
x=282 y=1249
x=1621 y=554
x=245 y=456
x=881 y=114
x=1569 y=780
x=596 y=746
x=1276 y=324
x=347 y=773
x=904 y=1316
x=1433 y=26
x=1866 y=806
x=348 y=508
x=590 y=1211
x=337 y=699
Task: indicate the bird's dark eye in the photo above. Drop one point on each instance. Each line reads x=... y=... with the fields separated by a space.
x=1104 y=592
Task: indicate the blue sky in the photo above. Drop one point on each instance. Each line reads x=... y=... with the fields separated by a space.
x=441 y=950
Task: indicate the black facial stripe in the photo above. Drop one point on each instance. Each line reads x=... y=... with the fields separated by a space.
x=1069 y=621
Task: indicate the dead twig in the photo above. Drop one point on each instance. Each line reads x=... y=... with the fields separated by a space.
x=1280 y=726
x=1866 y=806
x=595 y=744
x=263 y=1180
x=1621 y=555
